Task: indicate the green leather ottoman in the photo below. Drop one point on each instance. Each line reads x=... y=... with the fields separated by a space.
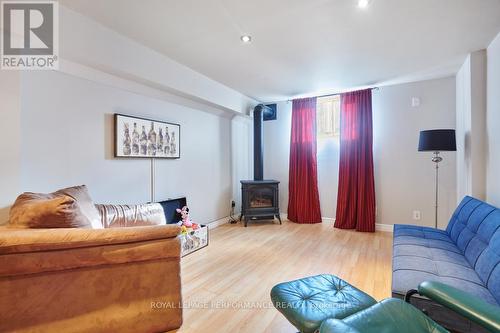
x=307 y=302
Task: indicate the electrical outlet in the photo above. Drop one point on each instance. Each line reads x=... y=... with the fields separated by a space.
x=415 y=102
x=417 y=215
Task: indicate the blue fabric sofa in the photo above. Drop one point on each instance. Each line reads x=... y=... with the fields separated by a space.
x=466 y=255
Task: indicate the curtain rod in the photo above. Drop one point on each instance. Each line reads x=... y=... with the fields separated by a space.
x=336 y=94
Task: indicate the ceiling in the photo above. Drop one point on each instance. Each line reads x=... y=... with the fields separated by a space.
x=305 y=47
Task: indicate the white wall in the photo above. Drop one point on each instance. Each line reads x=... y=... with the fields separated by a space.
x=471 y=126
x=493 y=123
x=10 y=118
x=404 y=178
x=276 y=147
x=241 y=155
x=67 y=139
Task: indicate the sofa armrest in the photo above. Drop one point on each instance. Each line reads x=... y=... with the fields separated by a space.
x=33 y=251
x=32 y=240
x=472 y=307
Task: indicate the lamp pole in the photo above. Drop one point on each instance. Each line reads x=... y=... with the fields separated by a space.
x=437 y=140
x=436 y=159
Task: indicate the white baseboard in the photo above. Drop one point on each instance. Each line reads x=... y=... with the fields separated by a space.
x=384 y=227
x=218 y=223
x=331 y=220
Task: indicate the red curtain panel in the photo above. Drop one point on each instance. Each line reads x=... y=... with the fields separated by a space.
x=303 y=195
x=356 y=191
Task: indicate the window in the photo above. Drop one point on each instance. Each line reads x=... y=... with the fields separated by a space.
x=328 y=117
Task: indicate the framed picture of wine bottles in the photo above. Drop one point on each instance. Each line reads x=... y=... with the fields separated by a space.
x=137 y=137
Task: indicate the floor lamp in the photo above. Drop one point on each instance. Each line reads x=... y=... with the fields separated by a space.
x=437 y=141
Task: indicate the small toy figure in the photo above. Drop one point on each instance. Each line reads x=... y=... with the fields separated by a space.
x=185 y=219
x=184 y=230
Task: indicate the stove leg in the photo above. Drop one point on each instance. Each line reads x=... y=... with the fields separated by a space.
x=279 y=218
x=246 y=222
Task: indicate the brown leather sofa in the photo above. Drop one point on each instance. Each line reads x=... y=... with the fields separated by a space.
x=123 y=278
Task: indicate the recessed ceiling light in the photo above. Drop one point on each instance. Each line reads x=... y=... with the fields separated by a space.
x=363 y=3
x=246 y=38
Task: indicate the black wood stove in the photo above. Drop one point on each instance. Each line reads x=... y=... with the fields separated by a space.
x=259 y=197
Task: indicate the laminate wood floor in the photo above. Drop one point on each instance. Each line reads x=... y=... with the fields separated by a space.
x=226 y=285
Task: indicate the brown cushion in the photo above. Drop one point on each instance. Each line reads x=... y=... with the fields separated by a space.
x=87 y=207
x=36 y=210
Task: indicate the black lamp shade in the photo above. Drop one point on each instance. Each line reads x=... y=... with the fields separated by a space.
x=437 y=140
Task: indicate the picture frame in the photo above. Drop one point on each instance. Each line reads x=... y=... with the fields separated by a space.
x=137 y=137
